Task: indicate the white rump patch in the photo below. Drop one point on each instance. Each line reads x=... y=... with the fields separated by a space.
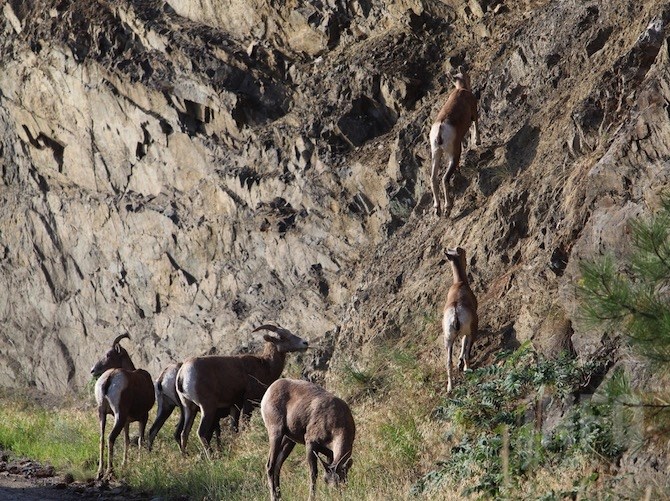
x=117 y=383
x=447 y=133
x=449 y=321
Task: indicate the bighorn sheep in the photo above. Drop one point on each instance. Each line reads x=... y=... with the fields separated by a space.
x=116 y=358
x=446 y=136
x=460 y=313
x=297 y=411
x=167 y=400
x=125 y=392
x=228 y=382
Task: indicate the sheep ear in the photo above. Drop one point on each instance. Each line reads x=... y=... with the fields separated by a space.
x=271 y=338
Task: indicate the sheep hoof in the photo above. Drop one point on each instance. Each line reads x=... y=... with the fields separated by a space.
x=438 y=211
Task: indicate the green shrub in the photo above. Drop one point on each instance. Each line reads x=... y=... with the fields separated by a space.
x=501 y=443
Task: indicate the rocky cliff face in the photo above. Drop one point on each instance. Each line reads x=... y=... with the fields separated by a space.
x=185 y=171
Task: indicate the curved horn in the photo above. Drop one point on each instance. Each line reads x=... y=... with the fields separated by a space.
x=323 y=461
x=267 y=327
x=345 y=457
x=119 y=338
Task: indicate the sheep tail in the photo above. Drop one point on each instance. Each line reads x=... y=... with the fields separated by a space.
x=105 y=385
x=180 y=383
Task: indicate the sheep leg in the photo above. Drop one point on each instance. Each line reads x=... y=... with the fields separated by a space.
x=434 y=177
x=143 y=426
x=436 y=162
x=287 y=446
x=216 y=429
x=235 y=417
x=450 y=329
x=450 y=347
x=180 y=426
x=119 y=424
x=102 y=415
x=271 y=466
x=462 y=365
x=464 y=357
x=205 y=429
x=468 y=346
x=313 y=471
x=162 y=414
x=453 y=165
x=189 y=416
x=126 y=443
x=216 y=426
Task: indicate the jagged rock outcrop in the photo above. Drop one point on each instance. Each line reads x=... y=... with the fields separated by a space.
x=187 y=170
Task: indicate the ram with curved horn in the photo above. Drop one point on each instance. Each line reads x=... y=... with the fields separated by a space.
x=116 y=358
x=125 y=392
x=215 y=383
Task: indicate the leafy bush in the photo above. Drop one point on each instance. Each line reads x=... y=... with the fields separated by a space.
x=502 y=442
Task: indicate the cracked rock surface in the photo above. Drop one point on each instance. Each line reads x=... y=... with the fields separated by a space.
x=185 y=171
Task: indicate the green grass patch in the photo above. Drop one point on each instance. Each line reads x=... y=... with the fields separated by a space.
x=66 y=438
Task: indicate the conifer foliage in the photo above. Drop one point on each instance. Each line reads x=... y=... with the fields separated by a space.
x=633 y=296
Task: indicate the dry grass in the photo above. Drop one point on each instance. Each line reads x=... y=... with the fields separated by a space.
x=394 y=395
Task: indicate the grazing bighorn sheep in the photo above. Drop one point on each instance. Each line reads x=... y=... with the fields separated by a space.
x=446 y=136
x=167 y=400
x=227 y=382
x=460 y=313
x=125 y=392
x=297 y=411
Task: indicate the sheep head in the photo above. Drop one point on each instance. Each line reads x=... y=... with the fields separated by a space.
x=336 y=474
x=283 y=339
x=117 y=357
x=457 y=255
x=461 y=79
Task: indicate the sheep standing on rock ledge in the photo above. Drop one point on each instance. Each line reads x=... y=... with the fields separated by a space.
x=460 y=313
x=446 y=136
